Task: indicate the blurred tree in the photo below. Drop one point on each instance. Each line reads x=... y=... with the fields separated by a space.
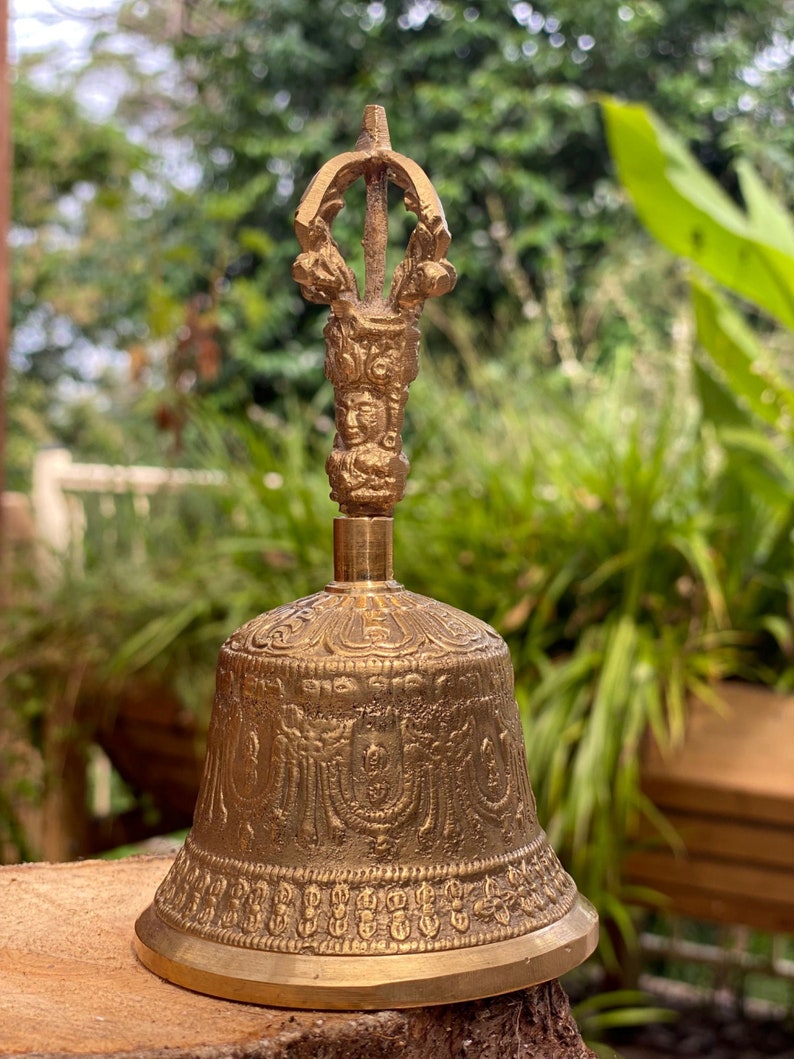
x=500 y=87
x=242 y=100
x=81 y=260
x=96 y=276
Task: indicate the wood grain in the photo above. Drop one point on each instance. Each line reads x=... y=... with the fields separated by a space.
x=72 y=986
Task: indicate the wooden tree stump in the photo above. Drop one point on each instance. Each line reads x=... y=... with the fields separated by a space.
x=72 y=986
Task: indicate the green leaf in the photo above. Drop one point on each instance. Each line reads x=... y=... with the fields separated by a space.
x=688 y=211
x=719 y=405
x=256 y=240
x=612 y=999
x=156 y=636
x=628 y=1017
x=166 y=312
x=781 y=629
x=695 y=549
x=772 y=222
x=734 y=350
x=764 y=450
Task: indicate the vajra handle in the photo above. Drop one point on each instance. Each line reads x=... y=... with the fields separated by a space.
x=371 y=342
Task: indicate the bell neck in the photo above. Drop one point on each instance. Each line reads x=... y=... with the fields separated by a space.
x=363 y=550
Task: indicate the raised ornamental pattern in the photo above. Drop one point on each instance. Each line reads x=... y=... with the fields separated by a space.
x=370 y=910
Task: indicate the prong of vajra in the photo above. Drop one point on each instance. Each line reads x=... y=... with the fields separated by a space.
x=371 y=343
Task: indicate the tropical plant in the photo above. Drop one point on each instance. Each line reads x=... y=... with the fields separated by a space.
x=601 y=1013
x=589 y=502
x=744 y=371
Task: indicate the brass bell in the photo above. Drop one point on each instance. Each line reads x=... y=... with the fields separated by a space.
x=365 y=834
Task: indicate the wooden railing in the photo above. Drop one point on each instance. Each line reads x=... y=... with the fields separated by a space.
x=60 y=484
x=44 y=531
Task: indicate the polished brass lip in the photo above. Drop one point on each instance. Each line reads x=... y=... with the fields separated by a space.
x=341 y=983
x=363 y=588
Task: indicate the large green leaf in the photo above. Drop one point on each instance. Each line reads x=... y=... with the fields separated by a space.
x=686 y=210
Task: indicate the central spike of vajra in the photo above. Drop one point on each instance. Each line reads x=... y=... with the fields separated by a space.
x=371 y=342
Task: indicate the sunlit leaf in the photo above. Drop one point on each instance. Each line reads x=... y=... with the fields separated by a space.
x=688 y=211
x=736 y=352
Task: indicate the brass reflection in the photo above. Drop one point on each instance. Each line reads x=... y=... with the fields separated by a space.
x=365 y=834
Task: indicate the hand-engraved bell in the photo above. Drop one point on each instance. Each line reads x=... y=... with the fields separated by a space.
x=365 y=834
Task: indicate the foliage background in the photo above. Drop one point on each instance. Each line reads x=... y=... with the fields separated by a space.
x=595 y=471
x=225 y=110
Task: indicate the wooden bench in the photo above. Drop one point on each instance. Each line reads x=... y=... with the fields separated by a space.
x=729 y=791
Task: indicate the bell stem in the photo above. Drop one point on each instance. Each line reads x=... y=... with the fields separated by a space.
x=363 y=549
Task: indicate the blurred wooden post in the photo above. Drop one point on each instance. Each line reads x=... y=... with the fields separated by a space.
x=50 y=506
x=5 y=223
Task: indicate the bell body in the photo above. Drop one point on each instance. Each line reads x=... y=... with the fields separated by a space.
x=365 y=834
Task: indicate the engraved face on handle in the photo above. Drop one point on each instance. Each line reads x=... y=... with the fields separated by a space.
x=360 y=418
x=372 y=341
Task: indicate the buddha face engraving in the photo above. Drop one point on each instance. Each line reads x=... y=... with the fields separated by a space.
x=360 y=418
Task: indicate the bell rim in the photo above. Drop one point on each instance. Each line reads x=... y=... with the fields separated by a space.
x=365 y=982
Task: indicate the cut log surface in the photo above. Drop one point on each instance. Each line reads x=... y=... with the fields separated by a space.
x=72 y=986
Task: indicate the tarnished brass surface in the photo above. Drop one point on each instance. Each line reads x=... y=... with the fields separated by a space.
x=365 y=833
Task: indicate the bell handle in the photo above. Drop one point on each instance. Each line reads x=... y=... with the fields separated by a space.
x=371 y=340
